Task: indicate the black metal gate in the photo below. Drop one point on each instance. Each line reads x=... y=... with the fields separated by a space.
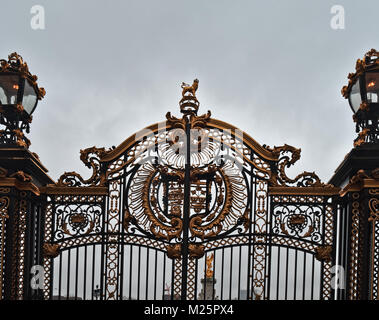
x=190 y=208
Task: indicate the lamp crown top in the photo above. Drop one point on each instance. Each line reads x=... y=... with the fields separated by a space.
x=16 y=64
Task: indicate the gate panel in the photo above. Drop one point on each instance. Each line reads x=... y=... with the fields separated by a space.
x=192 y=208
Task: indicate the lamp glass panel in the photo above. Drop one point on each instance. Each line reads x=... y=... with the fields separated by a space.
x=372 y=87
x=355 y=99
x=9 y=86
x=30 y=98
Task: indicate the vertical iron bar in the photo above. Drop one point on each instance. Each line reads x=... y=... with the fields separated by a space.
x=214 y=273
x=85 y=274
x=155 y=274
x=278 y=275
x=59 y=277
x=231 y=273
x=76 y=272
x=313 y=276
x=269 y=250
x=164 y=276
x=138 y=271
x=93 y=271
x=286 y=286
x=304 y=271
x=239 y=273
x=295 y=281
x=68 y=274
x=130 y=271
x=186 y=211
x=196 y=271
x=147 y=274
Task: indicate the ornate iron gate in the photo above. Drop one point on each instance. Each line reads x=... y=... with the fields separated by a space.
x=190 y=208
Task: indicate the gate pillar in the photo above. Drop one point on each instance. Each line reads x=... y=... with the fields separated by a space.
x=21 y=176
x=358 y=222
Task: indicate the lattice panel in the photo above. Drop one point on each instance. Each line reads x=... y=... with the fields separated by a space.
x=354 y=251
x=191 y=276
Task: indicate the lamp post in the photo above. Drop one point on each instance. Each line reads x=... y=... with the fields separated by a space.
x=21 y=177
x=357 y=218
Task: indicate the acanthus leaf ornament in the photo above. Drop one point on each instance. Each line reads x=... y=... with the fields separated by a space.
x=51 y=250
x=324 y=253
x=91 y=158
x=174 y=251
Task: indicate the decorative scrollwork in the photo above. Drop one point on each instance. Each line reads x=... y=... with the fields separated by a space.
x=91 y=158
x=305 y=179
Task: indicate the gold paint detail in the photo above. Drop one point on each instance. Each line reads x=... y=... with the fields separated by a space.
x=373 y=205
x=354 y=276
x=191 y=277
x=280 y=178
x=209 y=268
x=361 y=139
x=174 y=251
x=47 y=263
x=189 y=103
x=196 y=251
x=91 y=158
x=4 y=204
x=360 y=180
x=177 y=278
x=324 y=253
x=51 y=250
x=259 y=253
x=16 y=64
x=360 y=67
x=112 y=252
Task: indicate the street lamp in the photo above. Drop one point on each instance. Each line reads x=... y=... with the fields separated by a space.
x=19 y=95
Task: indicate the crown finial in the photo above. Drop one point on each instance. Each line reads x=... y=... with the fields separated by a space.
x=189 y=103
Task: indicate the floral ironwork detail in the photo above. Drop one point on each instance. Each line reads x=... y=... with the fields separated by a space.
x=305 y=179
x=298 y=220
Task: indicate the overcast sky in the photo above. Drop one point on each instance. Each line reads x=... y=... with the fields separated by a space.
x=272 y=68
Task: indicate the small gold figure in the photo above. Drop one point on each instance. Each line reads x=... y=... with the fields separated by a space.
x=208 y=270
x=191 y=89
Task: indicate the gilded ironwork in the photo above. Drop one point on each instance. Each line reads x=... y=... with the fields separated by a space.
x=360 y=67
x=324 y=253
x=90 y=157
x=209 y=270
x=51 y=250
x=178 y=191
x=305 y=179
